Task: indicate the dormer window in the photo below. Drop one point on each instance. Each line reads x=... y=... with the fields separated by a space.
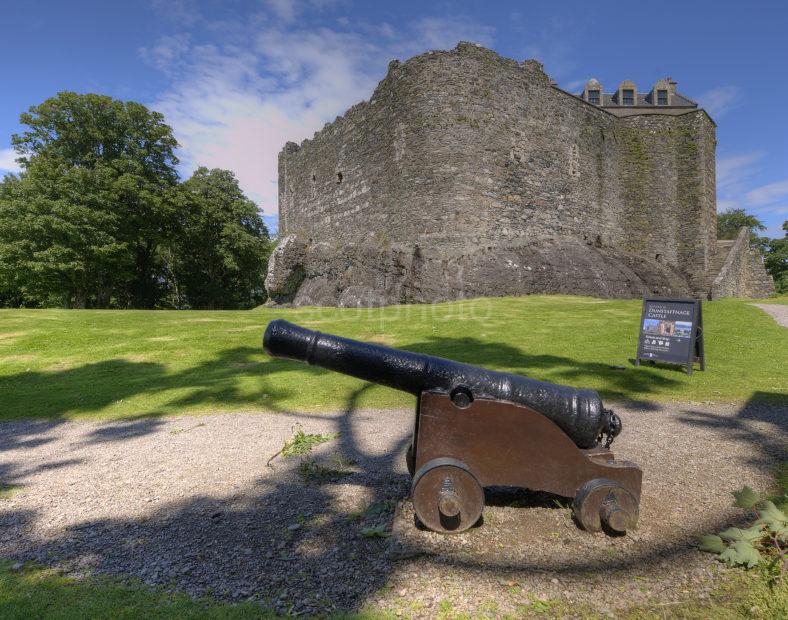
x=594 y=97
x=662 y=97
x=628 y=96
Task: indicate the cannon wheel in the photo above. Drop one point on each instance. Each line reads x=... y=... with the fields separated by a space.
x=447 y=497
x=605 y=504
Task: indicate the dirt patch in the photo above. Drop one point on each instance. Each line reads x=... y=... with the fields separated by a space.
x=382 y=339
x=25 y=357
x=11 y=335
x=161 y=339
x=190 y=503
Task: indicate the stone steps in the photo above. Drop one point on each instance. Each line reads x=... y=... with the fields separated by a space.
x=703 y=284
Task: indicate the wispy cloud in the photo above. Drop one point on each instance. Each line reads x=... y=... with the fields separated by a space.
x=736 y=190
x=286 y=10
x=768 y=194
x=168 y=51
x=719 y=101
x=7 y=163
x=444 y=33
x=734 y=171
x=235 y=106
x=575 y=85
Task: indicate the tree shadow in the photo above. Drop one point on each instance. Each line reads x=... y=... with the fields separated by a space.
x=290 y=544
x=630 y=384
x=759 y=422
x=283 y=541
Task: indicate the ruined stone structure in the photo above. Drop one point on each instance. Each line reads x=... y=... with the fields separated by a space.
x=468 y=174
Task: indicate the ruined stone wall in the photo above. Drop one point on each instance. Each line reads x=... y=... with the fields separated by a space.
x=743 y=273
x=463 y=151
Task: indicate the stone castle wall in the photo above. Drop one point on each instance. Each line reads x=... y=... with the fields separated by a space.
x=459 y=155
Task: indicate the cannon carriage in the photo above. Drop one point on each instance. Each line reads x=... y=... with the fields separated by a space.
x=477 y=428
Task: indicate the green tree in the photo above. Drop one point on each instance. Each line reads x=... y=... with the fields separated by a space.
x=222 y=253
x=730 y=222
x=59 y=240
x=776 y=261
x=84 y=222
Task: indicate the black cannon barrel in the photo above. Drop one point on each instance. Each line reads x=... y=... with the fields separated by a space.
x=578 y=412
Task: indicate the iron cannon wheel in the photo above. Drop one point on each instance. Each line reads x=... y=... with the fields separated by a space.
x=447 y=497
x=605 y=504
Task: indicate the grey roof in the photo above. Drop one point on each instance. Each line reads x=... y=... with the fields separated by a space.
x=645 y=100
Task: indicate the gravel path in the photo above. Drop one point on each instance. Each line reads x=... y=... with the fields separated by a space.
x=778 y=311
x=189 y=503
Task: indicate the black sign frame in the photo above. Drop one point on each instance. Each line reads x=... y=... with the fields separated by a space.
x=695 y=352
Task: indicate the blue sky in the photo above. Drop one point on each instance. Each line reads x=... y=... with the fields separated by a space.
x=236 y=79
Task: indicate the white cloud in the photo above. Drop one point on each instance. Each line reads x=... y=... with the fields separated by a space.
x=167 y=51
x=733 y=171
x=235 y=106
x=735 y=189
x=767 y=194
x=286 y=10
x=7 y=163
x=438 y=33
x=575 y=85
x=719 y=101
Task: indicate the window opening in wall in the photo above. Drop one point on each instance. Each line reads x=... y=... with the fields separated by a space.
x=628 y=96
x=339 y=178
x=662 y=97
x=314 y=178
x=593 y=97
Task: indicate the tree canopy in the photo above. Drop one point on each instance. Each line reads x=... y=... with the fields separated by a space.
x=222 y=246
x=731 y=221
x=98 y=218
x=776 y=261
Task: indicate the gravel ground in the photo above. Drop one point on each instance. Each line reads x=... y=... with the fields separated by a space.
x=189 y=503
x=778 y=311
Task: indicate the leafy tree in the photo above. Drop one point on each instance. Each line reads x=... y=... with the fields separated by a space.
x=776 y=261
x=58 y=240
x=85 y=220
x=222 y=252
x=730 y=222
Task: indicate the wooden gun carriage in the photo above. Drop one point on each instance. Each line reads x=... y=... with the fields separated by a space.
x=477 y=428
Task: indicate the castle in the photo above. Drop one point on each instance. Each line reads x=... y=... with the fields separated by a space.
x=468 y=174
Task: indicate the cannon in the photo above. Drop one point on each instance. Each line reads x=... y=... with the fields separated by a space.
x=477 y=428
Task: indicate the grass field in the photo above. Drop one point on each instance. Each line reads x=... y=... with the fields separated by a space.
x=67 y=363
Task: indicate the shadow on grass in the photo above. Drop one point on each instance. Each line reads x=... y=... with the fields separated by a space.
x=630 y=384
x=96 y=386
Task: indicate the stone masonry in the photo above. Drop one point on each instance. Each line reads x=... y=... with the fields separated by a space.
x=469 y=174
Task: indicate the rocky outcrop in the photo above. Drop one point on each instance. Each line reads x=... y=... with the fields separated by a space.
x=353 y=275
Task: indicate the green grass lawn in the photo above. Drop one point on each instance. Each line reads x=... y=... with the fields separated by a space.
x=72 y=363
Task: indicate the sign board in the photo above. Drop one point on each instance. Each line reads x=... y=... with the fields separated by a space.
x=671 y=330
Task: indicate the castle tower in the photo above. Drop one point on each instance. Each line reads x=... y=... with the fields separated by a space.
x=469 y=174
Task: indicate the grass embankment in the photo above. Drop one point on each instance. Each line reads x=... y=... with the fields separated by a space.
x=60 y=363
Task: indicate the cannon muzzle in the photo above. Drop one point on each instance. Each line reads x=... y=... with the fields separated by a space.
x=578 y=412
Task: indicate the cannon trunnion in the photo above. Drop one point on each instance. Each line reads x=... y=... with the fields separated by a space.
x=476 y=428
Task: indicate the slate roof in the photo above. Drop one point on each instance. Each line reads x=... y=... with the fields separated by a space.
x=644 y=99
